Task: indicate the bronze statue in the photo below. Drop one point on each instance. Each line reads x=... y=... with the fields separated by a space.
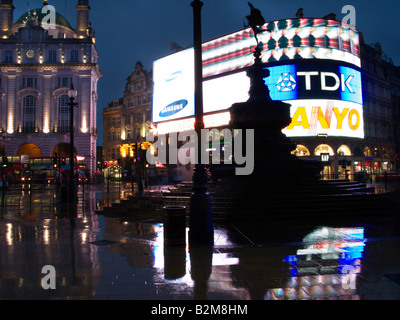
x=255 y=21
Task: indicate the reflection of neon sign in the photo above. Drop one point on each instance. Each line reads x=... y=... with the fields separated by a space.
x=345 y=246
x=328 y=251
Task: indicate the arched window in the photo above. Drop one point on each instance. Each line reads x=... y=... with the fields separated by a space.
x=301 y=151
x=8 y=56
x=29 y=114
x=323 y=148
x=344 y=151
x=63 y=114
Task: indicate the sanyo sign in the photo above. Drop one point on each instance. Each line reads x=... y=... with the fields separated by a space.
x=325 y=117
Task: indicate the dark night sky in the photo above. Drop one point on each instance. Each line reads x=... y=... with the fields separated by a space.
x=141 y=30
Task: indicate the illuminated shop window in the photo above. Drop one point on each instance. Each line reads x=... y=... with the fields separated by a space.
x=323 y=148
x=344 y=151
x=301 y=151
x=367 y=152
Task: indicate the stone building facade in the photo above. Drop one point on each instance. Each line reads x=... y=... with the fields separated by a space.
x=127 y=120
x=38 y=65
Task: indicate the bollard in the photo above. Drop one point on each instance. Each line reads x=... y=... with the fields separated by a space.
x=174 y=225
x=174 y=262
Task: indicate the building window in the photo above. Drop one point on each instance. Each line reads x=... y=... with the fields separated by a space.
x=64 y=82
x=63 y=114
x=29 y=82
x=52 y=56
x=148 y=115
x=138 y=85
x=8 y=56
x=74 y=56
x=344 y=151
x=301 y=151
x=29 y=114
x=323 y=148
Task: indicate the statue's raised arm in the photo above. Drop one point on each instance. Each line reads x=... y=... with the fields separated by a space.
x=255 y=20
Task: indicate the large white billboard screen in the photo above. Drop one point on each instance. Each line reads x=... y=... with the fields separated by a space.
x=173 y=92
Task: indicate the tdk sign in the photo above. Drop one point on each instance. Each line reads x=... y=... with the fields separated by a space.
x=342 y=83
x=315 y=81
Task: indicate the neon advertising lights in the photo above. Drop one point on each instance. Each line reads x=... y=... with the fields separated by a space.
x=314 y=65
x=326 y=98
x=290 y=39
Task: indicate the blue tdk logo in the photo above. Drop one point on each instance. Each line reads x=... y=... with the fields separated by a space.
x=314 y=81
x=173 y=108
x=286 y=82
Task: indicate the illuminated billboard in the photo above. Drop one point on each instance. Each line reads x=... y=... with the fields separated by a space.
x=326 y=98
x=173 y=91
x=325 y=117
x=283 y=40
x=314 y=66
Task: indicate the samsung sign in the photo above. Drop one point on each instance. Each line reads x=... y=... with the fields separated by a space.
x=173 y=78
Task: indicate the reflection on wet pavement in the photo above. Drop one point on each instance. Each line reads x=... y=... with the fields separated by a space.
x=327 y=266
x=97 y=257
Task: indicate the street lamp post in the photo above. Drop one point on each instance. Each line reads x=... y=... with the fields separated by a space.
x=201 y=228
x=4 y=140
x=72 y=93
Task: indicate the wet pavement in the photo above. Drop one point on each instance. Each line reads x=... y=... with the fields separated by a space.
x=97 y=257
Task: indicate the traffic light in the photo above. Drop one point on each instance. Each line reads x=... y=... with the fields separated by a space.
x=5 y=162
x=55 y=158
x=63 y=162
